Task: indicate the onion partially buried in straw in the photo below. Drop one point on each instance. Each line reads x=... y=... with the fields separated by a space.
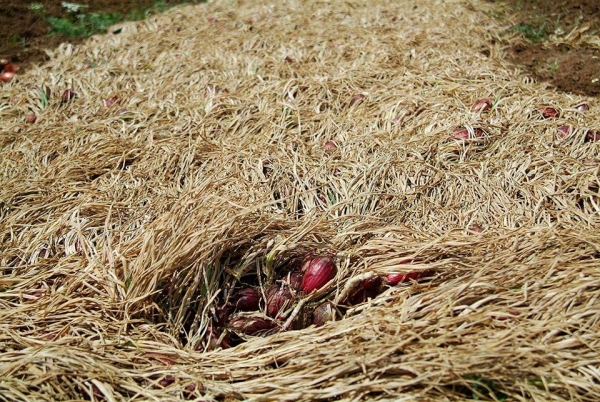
x=279 y=298
x=394 y=279
x=318 y=271
x=247 y=299
x=243 y=323
x=323 y=313
x=549 y=112
x=482 y=105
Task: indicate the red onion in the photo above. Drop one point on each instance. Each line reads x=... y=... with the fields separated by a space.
x=549 y=113
x=592 y=136
x=330 y=147
x=7 y=76
x=582 y=107
x=368 y=289
x=211 y=339
x=356 y=99
x=168 y=380
x=394 y=279
x=10 y=68
x=247 y=299
x=475 y=228
x=462 y=133
x=295 y=281
x=482 y=105
x=279 y=298
x=67 y=95
x=323 y=313
x=250 y=325
x=563 y=132
x=319 y=272
x=112 y=101
x=31 y=118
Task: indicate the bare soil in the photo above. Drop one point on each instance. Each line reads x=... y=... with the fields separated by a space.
x=26 y=34
x=570 y=69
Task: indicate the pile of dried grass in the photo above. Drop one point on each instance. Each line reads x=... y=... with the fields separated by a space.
x=214 y=163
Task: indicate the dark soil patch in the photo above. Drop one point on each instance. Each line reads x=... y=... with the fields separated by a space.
x=568 y=68
x=26 y=33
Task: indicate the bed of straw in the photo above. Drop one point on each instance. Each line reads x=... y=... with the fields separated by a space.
x=213 y=164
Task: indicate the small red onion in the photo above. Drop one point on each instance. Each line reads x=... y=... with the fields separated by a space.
x=279 y=298
x=549 y=113
x=562 y=132
x=168 y=380
x=247 y=299
x=475 y=228
x=7 y=76
x=462 y=133
x=68 y=95
x=10 y=68
x=250 y=325
x=394 y=279
x=592 y=136
x=289 y=59
x=295 y=281
x=368 y=289
x=583 y=107
x=482 y=105
x=112 y=101
x=330 y=147
x=319 y=272
x=211 y=339
x=323 y=313
x=356 y=99
x=31 y=118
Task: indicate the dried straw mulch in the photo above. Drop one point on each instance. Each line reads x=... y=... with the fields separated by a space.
x=214 y=161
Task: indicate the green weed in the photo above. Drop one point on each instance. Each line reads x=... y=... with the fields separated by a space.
x=530 y=32
x=80 y=23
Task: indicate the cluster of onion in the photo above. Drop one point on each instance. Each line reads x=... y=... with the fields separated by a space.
x=299 y=298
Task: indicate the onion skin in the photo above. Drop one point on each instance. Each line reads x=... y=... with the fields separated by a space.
x=31 y=118
x=67 y=95
x=211 y=339
x=482 y=105
x=563 y=132
x=323 y=313
x=6 y=76
x=249 y=325
x=549 y=113
x=592 y=136
x=279 y=298
x=330 y=147
x=475 y=228
x=356 y=99
x=319 y=271
x=248 y=299
x=112 y=101
x=295 y=281
x=462 y=133
x=10 y=68
x=394 y=279
x=368 y=289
